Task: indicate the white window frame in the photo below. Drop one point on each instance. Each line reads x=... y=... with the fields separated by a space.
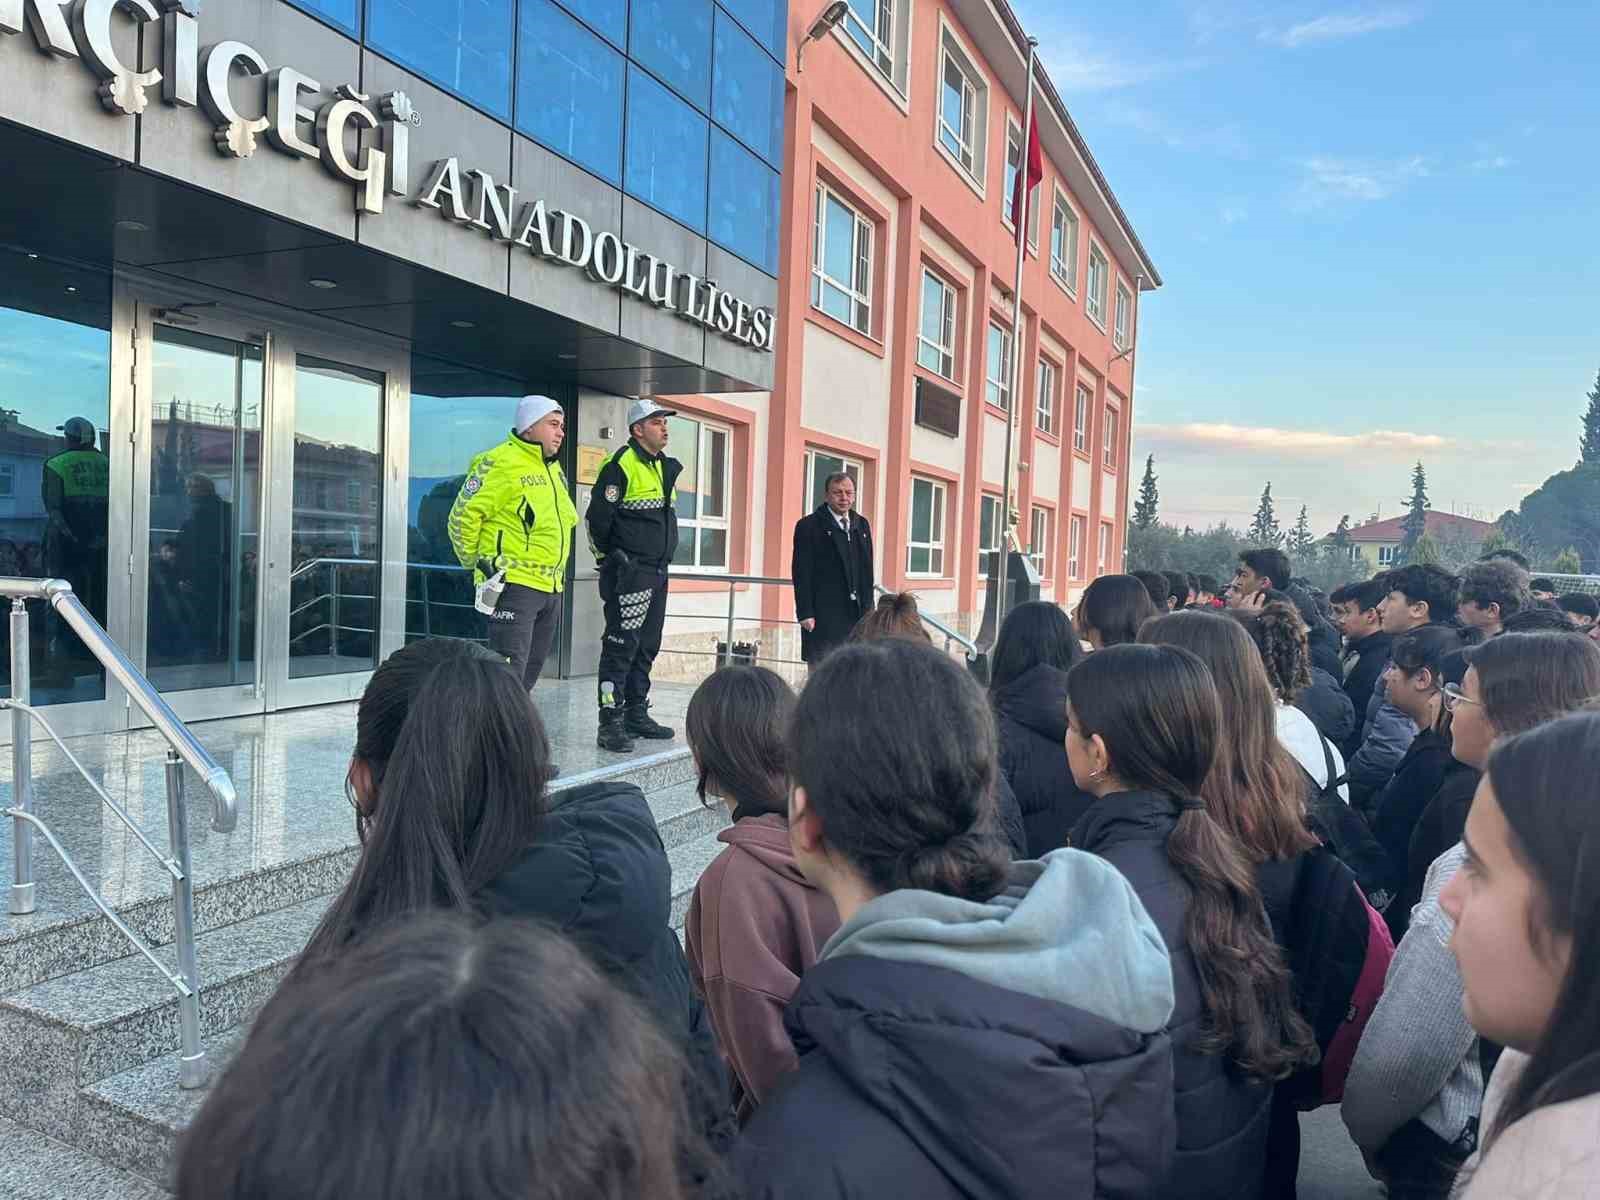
x=1096 y=286
x=1014 y=146
x=1386 y=555
x=1044 y=397
x=882 y=39
x=1040 y=540
x=852 y=467
x=1064 y=267
x=1105 y=546
x=987 y=547
x=1122 y=320
x=965 y=150
x=1109 y=433
x=691 y=526
x=1077 y=525
x=938 y=509
x=948 y=317
x=859 y=290
x=971 y=155
x=1082 y=398
x=997 y=391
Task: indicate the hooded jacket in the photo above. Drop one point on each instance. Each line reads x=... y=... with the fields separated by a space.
x=600 y=874
x=1031 y=712
x=1005 y=1049
x=755 y=926
x=1223 y=1115
x=1366 y=661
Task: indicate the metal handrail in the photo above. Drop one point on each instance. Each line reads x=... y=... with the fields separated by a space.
x=183 y=747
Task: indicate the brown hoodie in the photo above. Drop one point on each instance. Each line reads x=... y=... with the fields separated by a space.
x=754 y=927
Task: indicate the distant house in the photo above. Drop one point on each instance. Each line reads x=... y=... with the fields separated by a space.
x=1377 y=543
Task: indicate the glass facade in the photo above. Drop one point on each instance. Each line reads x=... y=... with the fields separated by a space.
x=678 y=102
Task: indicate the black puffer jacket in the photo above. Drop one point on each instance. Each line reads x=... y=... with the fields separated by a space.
x=1031 y=711
x=1324 y=642
x=600 y=875
x=1223 y=1116
x=1361 y=680
x=1328 y=707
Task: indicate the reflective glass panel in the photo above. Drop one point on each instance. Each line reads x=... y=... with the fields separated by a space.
x=569 y=90
x=606 y=17
x=747 y=91
x=673 y=39
x=767 y=19
x=666 y=152
x=342 y=13
x=744 y=203
x=462 y=45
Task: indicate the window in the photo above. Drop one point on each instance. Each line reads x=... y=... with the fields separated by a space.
x=1080 y=420
x=608 y=18
x=1122 y=327
x=1105 y=546
x=1045 y=398
x=1064 y=245
x=1013 y=165
x=352 y=495
x=1075 y=547
x=925 y=549
x=8 y=482
x=998 y=368
x=958 y=114
x=819 y=465
x=1099 y=274
x=705 y=489
x=990 y=532
x=1109 y=445
x=673 y=39
x=569 y=90
x=1386 y=556
x=936 y=342
x=767 y=19
x=1039 y=542
x=462 y=45
x=841 y=262
x=666 y=156
x=870 y=24
x=744 y=203
x=747 y=90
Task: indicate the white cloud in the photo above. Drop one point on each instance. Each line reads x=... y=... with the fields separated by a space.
x=1332 y=27
x=1326 y=178
x=1211 y=438
x=1492 y=162
x=1080 y=64
x=1226 y=141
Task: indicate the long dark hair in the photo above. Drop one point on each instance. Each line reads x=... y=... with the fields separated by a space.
x=735 y=726
x=459 y=763
x=1114 y=606
x=895 y=747
x=1157 y=710
x=1255 y=787
x=1545 y=782
x=1525 y=679
x=444 y=1059
x=1034 y=634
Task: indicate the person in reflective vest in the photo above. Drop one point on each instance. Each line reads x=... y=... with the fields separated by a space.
x=75 y=490
x=633 y=529
x=514 y=515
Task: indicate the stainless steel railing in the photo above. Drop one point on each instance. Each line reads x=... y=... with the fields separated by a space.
x=184 y=748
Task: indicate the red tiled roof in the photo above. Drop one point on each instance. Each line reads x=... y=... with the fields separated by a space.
x=1437 y=525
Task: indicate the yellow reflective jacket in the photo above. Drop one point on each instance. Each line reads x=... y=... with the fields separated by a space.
x=514 y=512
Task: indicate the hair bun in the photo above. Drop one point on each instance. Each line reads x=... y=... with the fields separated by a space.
x=965 y=865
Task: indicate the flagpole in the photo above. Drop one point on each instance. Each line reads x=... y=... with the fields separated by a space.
x=1020 y=216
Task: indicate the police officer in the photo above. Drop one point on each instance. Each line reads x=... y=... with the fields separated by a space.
x=76 y=491
x=513 y=514
x=633 y=528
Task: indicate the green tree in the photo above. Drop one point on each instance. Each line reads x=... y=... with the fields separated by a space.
x=1589 y=443
x=1144 y=512
x=1563 y=512
x=1427 y=552
x=1498 y=539
x=1301 y=543
x=1416 y=522
x=1264 y=530
x=1567 y=563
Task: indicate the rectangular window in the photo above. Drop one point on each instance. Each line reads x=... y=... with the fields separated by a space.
x=925 y=548
x=1122 y=326
x=936 y=341
x=958 y=114
x=8 y=480
x=1105 y=546
x=1064 y=245
x=569 y=90
x=747 y=90
x=462 y=45
x=743 y=215
x=990 y=532
x=997 y=386
x=1080 y=420
x=705 y=491
x=666 y=152
x=1007 y=201
x=1045 y=398
x=819 y=465
x=1075 y=547
x=1386 y=556
x=1109 y=445
x=1039 y=542
x=1099 y=277
x=352 y=495
x=870 y=24
x=841 y=262
x=673 y=39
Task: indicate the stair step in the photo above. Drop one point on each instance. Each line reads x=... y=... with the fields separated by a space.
x=58 y=1036
x=41 y=1168
x=681 y=817
x=689 y=861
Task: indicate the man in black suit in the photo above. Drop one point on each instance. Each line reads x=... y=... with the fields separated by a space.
x=832 y=570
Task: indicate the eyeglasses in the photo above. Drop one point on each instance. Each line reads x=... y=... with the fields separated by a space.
x=1453 y=695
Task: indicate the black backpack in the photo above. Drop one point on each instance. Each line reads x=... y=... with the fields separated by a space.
x=1345 y=831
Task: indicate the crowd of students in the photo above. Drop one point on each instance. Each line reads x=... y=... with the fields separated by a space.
x=1105 y=929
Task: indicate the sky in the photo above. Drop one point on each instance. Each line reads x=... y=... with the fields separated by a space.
x=1378 y=228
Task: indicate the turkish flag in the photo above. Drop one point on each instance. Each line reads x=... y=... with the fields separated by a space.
x=1028 y=179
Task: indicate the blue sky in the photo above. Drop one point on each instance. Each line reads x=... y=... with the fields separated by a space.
x=1378 y=226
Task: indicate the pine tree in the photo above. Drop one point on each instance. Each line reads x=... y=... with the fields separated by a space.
x=1144 y=511
x=1567 y=562
x=1300 y=539
x=1416 y=522
x=1339 y=539
x=1589 y=443
x=1264 y=530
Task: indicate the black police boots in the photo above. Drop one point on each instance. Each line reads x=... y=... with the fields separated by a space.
x=613 y=736
x=639 y=723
